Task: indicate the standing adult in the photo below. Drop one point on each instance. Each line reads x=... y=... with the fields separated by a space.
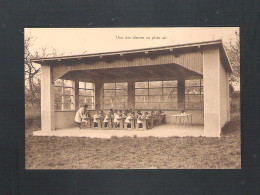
x=80 y=115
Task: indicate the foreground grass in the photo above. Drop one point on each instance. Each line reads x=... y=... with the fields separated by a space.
x=133 y=153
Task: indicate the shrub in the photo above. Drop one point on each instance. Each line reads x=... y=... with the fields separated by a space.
x=231 y=127
x=33 y=122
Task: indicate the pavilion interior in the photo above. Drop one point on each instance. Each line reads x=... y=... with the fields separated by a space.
x=133 y=74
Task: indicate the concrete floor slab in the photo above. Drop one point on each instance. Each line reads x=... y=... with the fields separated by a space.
x=166 y=130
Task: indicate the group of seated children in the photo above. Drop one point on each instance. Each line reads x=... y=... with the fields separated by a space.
x=117 y=117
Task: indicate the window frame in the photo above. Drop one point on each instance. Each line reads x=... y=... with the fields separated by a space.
x=72 y=96
x=162 y=95
x=87 y=96
x=201 y=95
x=115 y=94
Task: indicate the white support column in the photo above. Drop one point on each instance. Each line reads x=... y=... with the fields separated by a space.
x=228 y=98
x=47 y=99
x=211 y=85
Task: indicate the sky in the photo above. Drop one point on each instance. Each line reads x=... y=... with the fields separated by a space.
x=76 y=41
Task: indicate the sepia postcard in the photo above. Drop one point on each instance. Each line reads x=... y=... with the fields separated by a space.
x=132 y=98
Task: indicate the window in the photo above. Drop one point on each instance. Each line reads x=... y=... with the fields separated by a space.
x=115 y=95
x=156 y=95
x=63 y=95
x=87 y=95
x=194 y=94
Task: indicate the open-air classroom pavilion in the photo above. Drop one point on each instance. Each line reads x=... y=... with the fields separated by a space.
x=192 y=77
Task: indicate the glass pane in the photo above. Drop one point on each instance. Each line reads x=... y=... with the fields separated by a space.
x=67 y=83
x=201 y=82
x=169 y=83
x=155 y=91
x=121 y=98
x=58 y=82
x=58 y=90
x=109 y=86
x=141 y=84
x=169 y=91
x=91 y=106
x=121 y=86
x=141 y=106
x=67 y=91
x=89 y=86
x=192 y=101
x=141 y=91
x=57 y=106
x=174 y=98
x=121 y=92
x=89 y=100
x=67 y=99
x=82 y=85
x=57 y=98
x=165 y=106
x=67 y=106
x=153 y=84
x=121 y=105
x=170 y=98
x=109 y=92
x=201 y=89
x=141 y=99
x=154 y=105
x=82 y=99
x=155 y=98
x=192 y=82
x=109 y=102
x=168 y=105
x=192 y=90
x=82 y=92
x=89 y=92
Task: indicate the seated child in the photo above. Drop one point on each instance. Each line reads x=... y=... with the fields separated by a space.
x=95 y=118
x=107 y=118
x=127 y=120
x=117 y=116
x=101 y=113
x=124 y=115
x=160 y=112
x=153 y=113
x=141 y=118
x=111 y=112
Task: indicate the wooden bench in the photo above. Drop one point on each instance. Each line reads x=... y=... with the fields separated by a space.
x=121 y=124
x=132 y=124
x=99 y=122
x=145 y=123
x=109 y=125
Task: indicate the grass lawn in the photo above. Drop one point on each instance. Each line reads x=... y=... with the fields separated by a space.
x=133 y=153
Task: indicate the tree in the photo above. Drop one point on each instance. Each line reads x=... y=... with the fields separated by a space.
x=233 y=52
x=32 y=71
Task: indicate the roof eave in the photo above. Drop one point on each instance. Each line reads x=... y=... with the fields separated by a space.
x=198 y=44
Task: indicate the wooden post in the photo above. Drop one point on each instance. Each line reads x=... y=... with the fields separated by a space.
x=181 y=94
x=98 y=95
x=131 y=95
